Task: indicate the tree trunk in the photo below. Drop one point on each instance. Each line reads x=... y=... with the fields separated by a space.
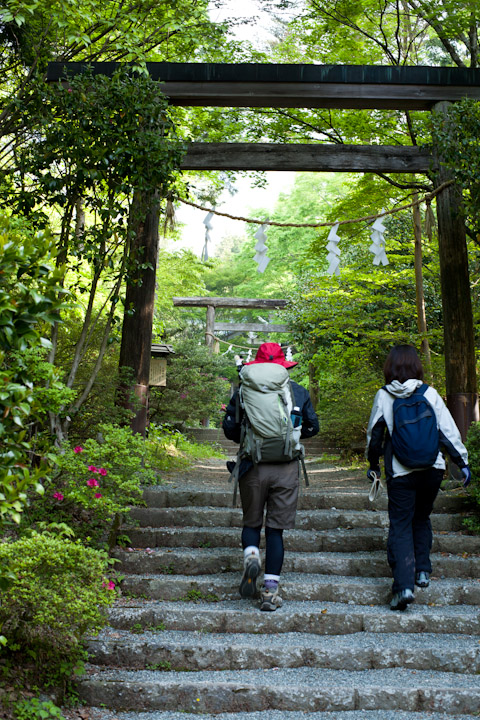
x=135 y=349
x=460 y=368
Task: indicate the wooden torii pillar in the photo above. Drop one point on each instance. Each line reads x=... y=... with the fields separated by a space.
x=458 y=329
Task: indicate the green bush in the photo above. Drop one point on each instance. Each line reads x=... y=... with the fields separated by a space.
x=347 y=387
x=30 y=298
x=196 y=388
x=169 y=449
x=35 y=709
x=60 y=591
x=472 y=443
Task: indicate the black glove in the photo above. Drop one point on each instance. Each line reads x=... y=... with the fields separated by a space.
x=371 y=471
x=467 y=476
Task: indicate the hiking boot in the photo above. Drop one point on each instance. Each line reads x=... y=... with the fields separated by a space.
x=401 y=599
x=270 y=601
x=248 y=586
x=422 y=579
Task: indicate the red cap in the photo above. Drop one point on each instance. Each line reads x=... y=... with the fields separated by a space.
x=271 y=352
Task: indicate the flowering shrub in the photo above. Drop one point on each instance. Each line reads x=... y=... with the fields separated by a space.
x=103 y=476
x=59 y=592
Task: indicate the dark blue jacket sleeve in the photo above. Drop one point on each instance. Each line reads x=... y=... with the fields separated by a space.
x=376 y=447
x=230 y=427
x=310 y=424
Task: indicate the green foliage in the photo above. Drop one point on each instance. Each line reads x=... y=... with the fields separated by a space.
x=348 y=382
x=179 y=274
x=112 y=130
x=457 y=133
x=346 y=325
x=472 y=443
x=194 y=389
x=35 y=709
x=30 y=298
x=103 y=476
x=169 y=449
x=59 y=593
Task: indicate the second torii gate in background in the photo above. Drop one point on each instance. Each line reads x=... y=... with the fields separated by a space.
x=210 y=303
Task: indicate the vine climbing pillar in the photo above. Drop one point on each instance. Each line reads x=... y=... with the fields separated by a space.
x=458 y=329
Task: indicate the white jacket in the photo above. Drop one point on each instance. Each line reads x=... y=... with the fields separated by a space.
x=382 y=415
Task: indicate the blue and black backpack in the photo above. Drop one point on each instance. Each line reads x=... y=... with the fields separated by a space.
x=415 y=430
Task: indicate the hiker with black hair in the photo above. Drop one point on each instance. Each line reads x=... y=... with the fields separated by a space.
x=412 y=428
x=266 y=484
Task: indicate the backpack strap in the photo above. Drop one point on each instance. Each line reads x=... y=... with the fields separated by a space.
x=237 y=408
x=302 y=456
x=305 y=476
x=236 y=470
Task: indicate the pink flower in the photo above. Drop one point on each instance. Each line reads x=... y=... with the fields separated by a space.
x=98 y=495
x=102 y=471
x=92 y=482
x=78 y=449
x=224 y=407
x=110 y=585
x=92 y=468
x=183 y=396
x=58 y=496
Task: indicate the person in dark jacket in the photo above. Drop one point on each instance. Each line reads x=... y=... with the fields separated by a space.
x=271 y=485
x=411 y=492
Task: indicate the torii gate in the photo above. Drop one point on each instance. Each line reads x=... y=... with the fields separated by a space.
x=327 y=86
x=211 y=303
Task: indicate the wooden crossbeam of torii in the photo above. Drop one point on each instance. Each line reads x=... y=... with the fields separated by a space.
x=303 y=86
x=307 y=157
x=210 y=303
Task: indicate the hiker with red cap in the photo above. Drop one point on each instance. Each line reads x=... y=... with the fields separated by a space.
x=267 y=416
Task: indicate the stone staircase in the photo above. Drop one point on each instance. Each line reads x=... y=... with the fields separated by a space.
x=182 y=644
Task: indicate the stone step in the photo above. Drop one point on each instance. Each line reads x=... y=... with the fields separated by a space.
x=305 y=519
x=299 y=689
x=177 y=651
x=202 y=561
x=102 y=714
x=215 y=436
x=344 y=498
x=316 y=618
x=358 y=539
x=322 y=588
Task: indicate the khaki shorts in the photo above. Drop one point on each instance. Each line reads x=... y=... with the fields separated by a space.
x=274 y=486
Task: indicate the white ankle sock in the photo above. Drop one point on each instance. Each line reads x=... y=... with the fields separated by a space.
x=251 y=550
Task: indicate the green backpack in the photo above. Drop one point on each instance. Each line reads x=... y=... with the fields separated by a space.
x=266 y=396
x=267 y=434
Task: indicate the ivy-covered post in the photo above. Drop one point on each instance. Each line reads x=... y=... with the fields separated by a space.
x=135 y=349
x=460 y=368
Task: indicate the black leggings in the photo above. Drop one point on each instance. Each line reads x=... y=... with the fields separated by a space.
x=273 y=550
x=410 y=502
